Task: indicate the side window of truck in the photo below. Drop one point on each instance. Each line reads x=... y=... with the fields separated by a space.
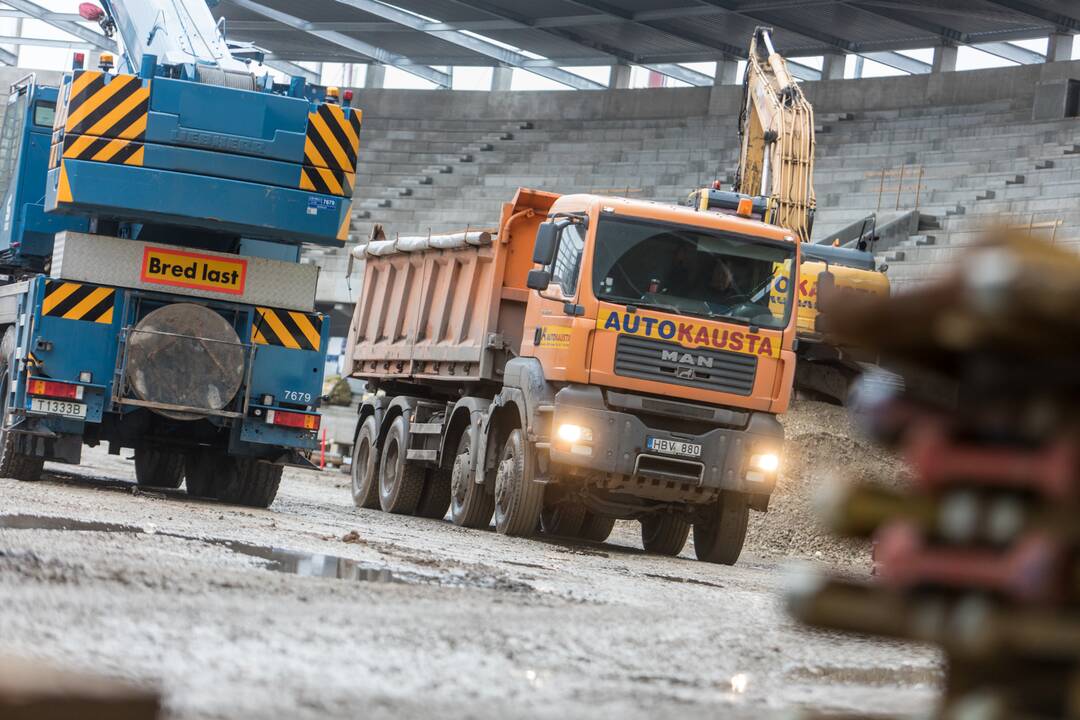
x=567 y=266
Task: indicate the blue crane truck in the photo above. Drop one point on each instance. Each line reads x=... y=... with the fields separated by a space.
x=153 y=296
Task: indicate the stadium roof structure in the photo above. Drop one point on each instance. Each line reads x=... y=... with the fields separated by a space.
x=545 y=36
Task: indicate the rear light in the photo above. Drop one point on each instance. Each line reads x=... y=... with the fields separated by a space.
x=348 y=95
x=49 y=388
x=304 y=421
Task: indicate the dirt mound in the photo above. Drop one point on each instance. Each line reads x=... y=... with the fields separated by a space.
x=821 y=447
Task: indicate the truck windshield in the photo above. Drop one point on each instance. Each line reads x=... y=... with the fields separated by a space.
x=694 y=271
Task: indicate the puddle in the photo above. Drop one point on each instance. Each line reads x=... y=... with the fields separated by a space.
x=282 y=560
x=877 y=676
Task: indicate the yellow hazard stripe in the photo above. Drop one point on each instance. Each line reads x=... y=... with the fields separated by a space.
x=107 y=106
x=58 y=296
x=103 y=149
x=88 y=303
x=306 y=327
x=287 y=328
x=76 y=301
x=333 y=138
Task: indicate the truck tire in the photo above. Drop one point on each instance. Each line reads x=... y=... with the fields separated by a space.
x=518 y=499
x=719 y=538
x=365 y=465
x=158 y=468
x=596 y=528
x=664 y=533
x=563 y=519
x=246 y=481
x=400 y=482
x=435 y=498
x=471 y=505
x=13 y=464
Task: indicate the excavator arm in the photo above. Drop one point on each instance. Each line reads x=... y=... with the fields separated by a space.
x=777 y=130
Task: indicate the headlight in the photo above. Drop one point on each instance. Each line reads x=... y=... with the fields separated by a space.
x=765 y=462
x=568 y=432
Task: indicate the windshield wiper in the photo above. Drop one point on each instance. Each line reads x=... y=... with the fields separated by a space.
x=655 y=306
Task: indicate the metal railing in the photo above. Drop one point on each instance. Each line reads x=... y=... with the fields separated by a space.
x=895 y=196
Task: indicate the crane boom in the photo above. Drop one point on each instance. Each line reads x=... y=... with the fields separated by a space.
x=777 y=130
x=177 y=32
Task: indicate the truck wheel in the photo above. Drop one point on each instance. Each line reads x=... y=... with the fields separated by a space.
x=435 y=499
x=158 y=468
x=563 y=519
x=596 y=528
x=400 y=482
x=664 y=533
x=14 y=464
x=518 y=499
x=719 y=539
x=471 y=505
x=365 y=465
x=246 y=481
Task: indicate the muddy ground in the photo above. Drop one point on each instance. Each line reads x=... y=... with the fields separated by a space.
x=238 y=613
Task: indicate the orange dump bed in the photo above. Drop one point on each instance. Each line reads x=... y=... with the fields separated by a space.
x=448 y=307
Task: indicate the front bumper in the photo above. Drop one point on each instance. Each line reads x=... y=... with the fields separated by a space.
x=619 y=442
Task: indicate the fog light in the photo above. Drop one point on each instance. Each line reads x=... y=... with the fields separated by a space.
x=86 y=377
x=765 y=462
x=571 y=433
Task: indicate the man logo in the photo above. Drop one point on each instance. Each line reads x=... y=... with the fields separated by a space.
x=686 y=359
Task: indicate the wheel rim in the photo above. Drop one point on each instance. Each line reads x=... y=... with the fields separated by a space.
x=504 y=481
x=361 y=460
x=390 y=466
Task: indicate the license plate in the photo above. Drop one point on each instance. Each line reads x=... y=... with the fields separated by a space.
x=66 y=408
x=673 y=447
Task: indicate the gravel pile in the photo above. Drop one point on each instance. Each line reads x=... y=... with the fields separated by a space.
x=821 y=448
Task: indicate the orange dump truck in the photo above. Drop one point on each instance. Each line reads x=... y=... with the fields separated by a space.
x=589 y=359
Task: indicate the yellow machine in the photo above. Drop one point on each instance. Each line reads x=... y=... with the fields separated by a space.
x=777 y=162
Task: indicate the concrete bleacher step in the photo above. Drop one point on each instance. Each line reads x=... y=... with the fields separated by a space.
x=986 y=195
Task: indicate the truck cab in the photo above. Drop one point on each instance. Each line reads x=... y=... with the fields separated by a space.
x=26 y=231
x=670 y=337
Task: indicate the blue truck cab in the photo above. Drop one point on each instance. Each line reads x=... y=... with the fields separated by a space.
x=155 y=298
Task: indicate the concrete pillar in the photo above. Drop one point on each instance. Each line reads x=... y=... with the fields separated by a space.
x=860 y=64
x=620 y=77
x=833 y=65
x=1059 y=48
x=375 y=76
x=944 y=59
x=727 y=72
x=502 y=78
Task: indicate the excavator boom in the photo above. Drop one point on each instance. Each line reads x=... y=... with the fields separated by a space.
x=777 y=131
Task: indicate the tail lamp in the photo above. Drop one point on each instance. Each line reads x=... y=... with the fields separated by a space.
x=53 y=389
x=284 y=418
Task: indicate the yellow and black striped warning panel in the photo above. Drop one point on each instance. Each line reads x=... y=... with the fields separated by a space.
x=333 y=138
x=113 y=106
x=99 y=149
x=75 y=301
x=287 y=328
x=327 y=180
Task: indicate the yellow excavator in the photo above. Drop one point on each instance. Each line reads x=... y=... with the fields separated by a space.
x=775 y=177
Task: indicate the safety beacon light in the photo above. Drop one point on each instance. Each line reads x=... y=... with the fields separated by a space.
x=746 y=207
x=333 y=94
x=78 y=62
x=105 y=62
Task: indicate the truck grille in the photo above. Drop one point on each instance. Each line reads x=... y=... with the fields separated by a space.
x=715 y=370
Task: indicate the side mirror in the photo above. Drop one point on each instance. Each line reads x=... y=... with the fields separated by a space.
x=538 y=280
x=547 y=238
